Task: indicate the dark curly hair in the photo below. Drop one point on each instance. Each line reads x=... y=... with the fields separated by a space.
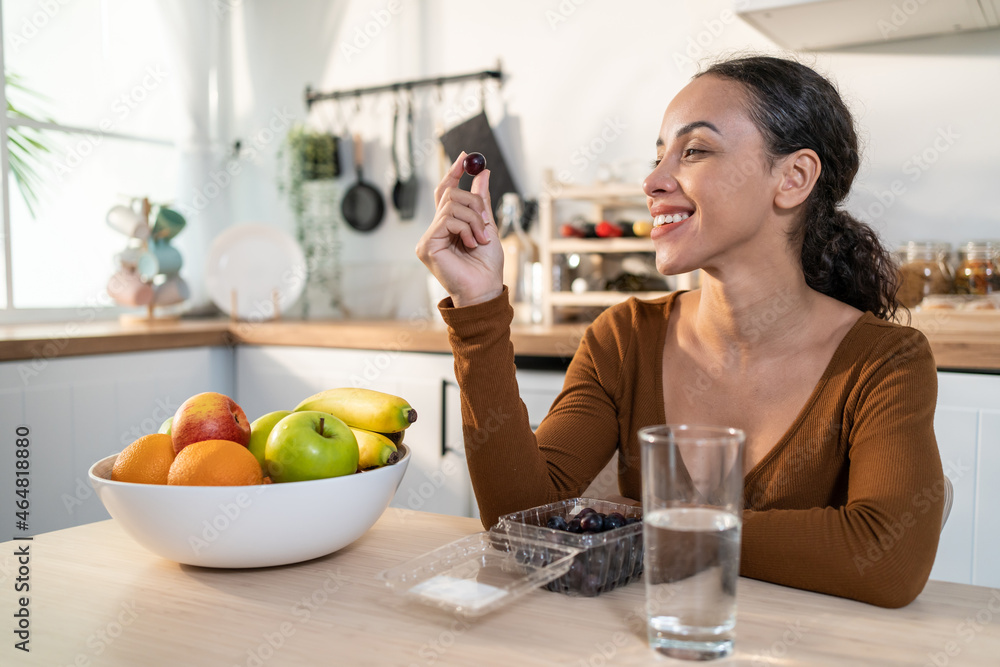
x=794 y=107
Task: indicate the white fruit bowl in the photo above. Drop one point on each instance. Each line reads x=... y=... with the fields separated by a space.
x=249 y=526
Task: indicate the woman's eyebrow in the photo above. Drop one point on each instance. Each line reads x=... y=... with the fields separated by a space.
x=691 y=127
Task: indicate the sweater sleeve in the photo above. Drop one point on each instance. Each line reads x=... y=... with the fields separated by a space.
x=880 y=546
x=511 y=467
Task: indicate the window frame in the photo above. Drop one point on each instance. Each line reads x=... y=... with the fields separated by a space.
x=9 y=313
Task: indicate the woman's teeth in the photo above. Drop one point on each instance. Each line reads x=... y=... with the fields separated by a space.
x=668 y=219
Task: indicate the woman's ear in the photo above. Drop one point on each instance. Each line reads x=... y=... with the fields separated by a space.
x=799 y=173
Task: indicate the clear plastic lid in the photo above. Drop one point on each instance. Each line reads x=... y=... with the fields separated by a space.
x=480 y=573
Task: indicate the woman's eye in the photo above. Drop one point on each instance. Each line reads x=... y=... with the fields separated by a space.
x=688 y=152
x=653 y=164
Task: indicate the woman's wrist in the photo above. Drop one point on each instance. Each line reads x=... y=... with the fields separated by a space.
x=460 y=301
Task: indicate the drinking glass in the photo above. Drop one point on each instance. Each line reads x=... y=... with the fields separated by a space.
x=692 y=497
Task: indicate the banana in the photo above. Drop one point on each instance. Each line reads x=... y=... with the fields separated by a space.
x=374 y=449
x=366 y=409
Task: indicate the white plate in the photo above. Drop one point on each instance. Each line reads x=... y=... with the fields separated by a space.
x=259 y=262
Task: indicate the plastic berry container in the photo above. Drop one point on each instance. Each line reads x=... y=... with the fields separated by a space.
x=607 y=559
x=480 y=573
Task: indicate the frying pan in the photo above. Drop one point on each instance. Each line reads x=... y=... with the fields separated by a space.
x=404 y=193
x=362 y=207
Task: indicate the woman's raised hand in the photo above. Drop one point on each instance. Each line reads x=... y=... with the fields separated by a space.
x=462 y=245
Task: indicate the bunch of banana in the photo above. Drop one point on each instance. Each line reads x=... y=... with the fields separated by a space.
x=367 y=411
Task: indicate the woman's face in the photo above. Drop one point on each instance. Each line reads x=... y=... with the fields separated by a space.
x=712 y=188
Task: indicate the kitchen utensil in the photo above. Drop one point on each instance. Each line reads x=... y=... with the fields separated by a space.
x=257 y=262
x=404 y=193
x=171 y=291
x=128 y=289
x=160 y=257
x=475 y=134
x=128 y=222
x=362 y=206
x=273 y=524
x=169 y=224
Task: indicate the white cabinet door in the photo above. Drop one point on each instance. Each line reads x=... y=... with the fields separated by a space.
x=272 y=378
x=80 y=409
x=967 y=426
x=538 y=390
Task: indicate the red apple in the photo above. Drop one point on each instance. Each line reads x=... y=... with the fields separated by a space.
x=209 y=416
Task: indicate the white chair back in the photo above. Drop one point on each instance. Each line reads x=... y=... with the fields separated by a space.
x=949 y=496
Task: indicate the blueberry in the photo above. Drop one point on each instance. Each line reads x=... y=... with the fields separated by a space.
x=556 y=523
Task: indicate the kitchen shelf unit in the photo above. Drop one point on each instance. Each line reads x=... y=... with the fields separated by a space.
x=608 y=201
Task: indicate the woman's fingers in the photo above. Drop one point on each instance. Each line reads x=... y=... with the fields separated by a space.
x=478 y=215
x=450 y=179
x=465 y=221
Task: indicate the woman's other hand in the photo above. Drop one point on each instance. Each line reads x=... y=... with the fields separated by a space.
x=462 y=245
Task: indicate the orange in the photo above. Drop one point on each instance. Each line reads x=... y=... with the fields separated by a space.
x=215 y=463
x=145 y=461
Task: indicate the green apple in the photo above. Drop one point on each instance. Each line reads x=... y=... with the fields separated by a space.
x=165 y=426
x=310 y=445
x=260 y=428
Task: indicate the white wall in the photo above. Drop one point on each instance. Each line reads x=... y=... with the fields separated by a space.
x=573 y=69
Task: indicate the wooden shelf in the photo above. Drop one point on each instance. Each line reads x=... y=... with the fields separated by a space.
x=601 y=245
x=602 y=192
x=609 y=201
x=598 y=298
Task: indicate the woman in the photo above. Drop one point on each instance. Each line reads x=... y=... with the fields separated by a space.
x=788 y=338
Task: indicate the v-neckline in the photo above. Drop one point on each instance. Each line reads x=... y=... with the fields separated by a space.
x=668 y=308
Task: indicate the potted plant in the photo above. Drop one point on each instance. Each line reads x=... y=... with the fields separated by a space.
x=309 y=164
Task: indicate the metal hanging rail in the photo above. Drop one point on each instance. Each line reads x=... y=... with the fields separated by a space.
x=316 y=96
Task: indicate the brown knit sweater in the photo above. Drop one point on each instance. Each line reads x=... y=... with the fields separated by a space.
x=848 y=503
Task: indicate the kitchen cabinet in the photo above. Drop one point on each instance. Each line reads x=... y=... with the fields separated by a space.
x=613 y=202
x=967 y=426
x=78 y=410
x=828 y=24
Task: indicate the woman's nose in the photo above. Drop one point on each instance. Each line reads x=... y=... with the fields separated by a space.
x=659 y=181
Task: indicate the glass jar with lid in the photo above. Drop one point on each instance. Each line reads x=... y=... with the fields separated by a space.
x=923 y=270
x=978 y=271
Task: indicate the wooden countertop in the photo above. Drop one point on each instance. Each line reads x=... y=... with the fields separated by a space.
x=960 y=340
x=97 y=597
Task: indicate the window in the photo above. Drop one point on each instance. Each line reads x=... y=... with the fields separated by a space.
x=96 y=114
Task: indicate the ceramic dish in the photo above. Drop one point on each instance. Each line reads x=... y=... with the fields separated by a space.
x=249 y=526
x=261 y=264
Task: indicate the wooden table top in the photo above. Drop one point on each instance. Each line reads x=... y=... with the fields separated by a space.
x=98 y=598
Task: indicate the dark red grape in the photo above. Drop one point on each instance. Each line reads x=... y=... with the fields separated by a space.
x=592 y=523
x=585 y=511
x=614 y=520
x=574 y=526
x=474 y=163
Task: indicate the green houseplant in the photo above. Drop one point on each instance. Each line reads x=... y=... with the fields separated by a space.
x=309 y=165
x=25 y=145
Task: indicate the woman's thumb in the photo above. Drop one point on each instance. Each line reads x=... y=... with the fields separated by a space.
x=481 y=187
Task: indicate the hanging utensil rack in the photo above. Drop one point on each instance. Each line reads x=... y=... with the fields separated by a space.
x=312 y=96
